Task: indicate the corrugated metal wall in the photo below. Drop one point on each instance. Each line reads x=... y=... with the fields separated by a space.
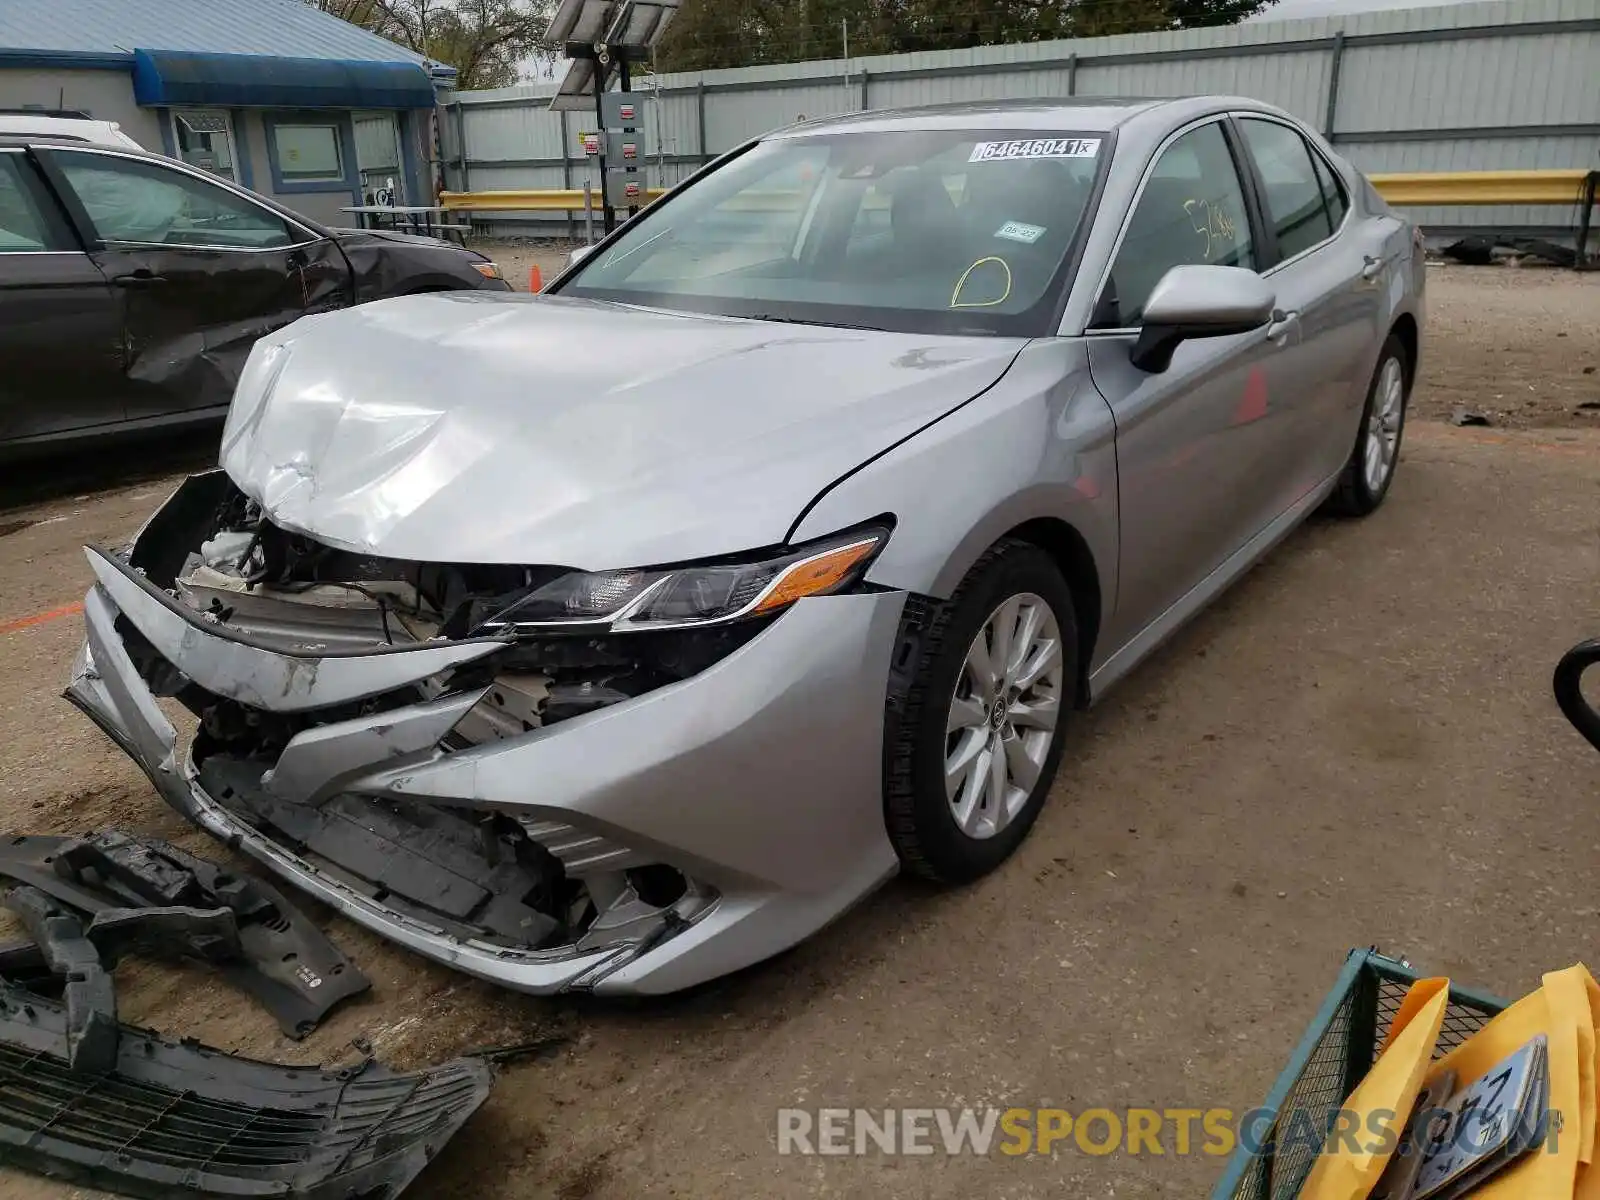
x=1472 y=86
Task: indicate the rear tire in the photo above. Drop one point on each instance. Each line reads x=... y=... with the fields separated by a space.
x=1367 y=475
x=985 y=728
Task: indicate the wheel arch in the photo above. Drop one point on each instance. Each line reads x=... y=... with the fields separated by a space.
x=1405 y=327
x=1073 y=555
x=1070 y=551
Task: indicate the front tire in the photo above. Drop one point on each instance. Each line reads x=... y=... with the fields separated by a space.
x=976 y=746
x=1376 y=454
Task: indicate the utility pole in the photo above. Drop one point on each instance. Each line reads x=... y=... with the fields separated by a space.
x=661 y=159
x=844 y=28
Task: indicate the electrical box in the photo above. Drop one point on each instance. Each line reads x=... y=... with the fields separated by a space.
x=621 y=110
x=625 y=189
x=624 y=150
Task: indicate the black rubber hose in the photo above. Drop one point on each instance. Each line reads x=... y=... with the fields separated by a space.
x=1569 y=693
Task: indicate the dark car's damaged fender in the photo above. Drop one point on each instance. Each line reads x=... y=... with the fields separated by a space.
x=385 y=263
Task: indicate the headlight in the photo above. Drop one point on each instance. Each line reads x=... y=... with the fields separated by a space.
x=488 y=269
x=711 y=594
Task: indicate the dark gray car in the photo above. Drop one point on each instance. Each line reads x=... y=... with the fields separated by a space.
x=132 y=287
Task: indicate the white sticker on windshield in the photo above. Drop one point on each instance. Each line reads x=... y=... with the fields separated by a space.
x=1020 y=231
x=1036 y=148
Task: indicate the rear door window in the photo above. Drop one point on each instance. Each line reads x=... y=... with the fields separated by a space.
x=1293 y=195
x=1333 y=194
x=22 y=225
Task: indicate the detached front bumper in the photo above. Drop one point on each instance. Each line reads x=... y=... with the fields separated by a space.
x=760 y=778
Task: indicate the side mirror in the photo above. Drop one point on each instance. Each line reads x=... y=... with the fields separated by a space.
x=1197 y=302
x=577 y=256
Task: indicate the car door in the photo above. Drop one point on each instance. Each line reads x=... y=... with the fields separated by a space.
x=1196 y=442
x=1322 y=275
x=203 y=268
x=60 y=324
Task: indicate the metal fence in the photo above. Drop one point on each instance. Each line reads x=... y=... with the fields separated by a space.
x=1511 y=84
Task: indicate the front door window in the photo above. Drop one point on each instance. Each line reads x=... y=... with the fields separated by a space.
x=130 y=200
x=1191 y=211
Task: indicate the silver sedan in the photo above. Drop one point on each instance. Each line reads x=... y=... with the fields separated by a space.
x=621 y=636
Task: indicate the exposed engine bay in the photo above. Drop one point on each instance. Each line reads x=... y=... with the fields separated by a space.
x=491 y=876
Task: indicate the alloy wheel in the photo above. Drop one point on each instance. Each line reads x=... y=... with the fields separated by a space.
x=1383 y=425
x=1003 y=715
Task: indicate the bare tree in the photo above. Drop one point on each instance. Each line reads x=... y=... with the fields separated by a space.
x=486 y=41
x=738 y=33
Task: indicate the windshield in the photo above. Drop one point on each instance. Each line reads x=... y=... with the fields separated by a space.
x=935 y=231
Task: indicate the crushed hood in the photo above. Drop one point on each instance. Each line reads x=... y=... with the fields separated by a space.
x=472 y=427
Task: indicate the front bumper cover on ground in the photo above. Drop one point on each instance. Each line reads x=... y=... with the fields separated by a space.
x=177 y=1118
x=759 y=777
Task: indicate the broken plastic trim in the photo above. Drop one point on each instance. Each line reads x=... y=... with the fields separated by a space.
x=91 y=1001
x=274 y=953
x=179 y=1118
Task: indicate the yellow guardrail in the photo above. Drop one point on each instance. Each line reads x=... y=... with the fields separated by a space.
x=1406 y=188
x=531 y=200
x=1481 y=187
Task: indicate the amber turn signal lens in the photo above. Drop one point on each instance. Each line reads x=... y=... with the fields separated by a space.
x=819 y=573
x=488 y=270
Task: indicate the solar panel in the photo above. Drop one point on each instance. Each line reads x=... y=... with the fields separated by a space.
x=579 y=20
x=575 y=92
x=623 y=24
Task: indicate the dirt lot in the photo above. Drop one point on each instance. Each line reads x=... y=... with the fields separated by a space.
x=1357 y=745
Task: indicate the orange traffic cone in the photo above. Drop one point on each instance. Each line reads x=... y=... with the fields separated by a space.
x=535 y=280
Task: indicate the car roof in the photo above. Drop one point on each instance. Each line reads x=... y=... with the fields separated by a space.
x=1077 y=114
x=45 y=125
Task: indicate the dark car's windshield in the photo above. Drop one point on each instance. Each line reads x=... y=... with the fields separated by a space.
x=924 y=231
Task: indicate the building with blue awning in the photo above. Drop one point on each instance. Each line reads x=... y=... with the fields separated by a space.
x=271 y=94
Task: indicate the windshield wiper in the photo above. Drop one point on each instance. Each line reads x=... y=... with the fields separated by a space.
x=803 y=321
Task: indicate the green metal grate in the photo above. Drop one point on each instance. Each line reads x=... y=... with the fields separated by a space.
x=1333 y=1056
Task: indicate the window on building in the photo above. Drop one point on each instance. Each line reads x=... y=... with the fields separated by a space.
x=205 y=139
x=378 y=157
x=308 y=153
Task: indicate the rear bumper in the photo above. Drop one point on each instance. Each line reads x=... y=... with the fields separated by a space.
x=760 y=777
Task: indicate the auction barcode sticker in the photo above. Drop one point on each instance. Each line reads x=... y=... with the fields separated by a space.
x=1036 y=148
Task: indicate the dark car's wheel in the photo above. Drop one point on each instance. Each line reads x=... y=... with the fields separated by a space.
x=975 y=748
x=1370 y=471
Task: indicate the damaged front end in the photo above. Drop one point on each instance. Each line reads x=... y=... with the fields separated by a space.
x=392 y=736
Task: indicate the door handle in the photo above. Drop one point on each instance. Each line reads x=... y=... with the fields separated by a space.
x=1371 y=267
x=137 y=279
x=1283 y=324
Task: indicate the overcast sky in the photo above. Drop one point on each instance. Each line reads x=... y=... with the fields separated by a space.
x=1327 y=8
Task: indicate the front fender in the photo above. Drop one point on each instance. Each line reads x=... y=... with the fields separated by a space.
x=1040 y=444
x=384 y=267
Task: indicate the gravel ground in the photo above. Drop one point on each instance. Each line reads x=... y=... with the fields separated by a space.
x=1356 y=745
x=1518 y=345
